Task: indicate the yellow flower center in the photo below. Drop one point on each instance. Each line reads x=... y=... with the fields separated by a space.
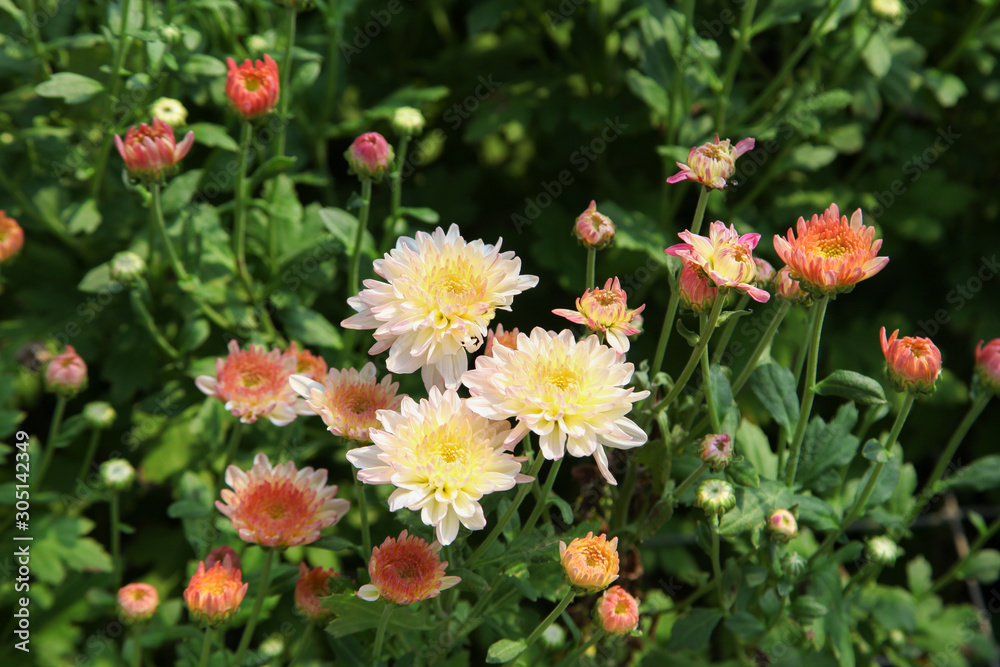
x=562 y=378
x=450 y=452
x=358 y=405
x=831 y=248
x=595 y=556
x=716 y=151
x=251 y=379
x=917 y=348
x=622 y=607
x=605 y=297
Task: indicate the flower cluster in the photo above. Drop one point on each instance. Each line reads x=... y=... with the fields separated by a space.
x=724 y=256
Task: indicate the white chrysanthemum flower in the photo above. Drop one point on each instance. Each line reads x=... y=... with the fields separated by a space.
x=439 y=297
x=570 y=393
x=442 y=458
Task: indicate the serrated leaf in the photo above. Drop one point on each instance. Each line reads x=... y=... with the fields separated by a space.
x=983 y=566
x=817 y=513
x=85 y=218
x=357 y=615
x=72 y=88
x=751 y=504
x=742 y=473
x=827 y=446
x=200 y=64
x=274 y=165
x=693 y=632
x=505 y=650
x=774 y=385
x=808 y=608
x=852 y=386
x=874 y=451
x=215 y=136
x=310 y=327
x=744 y=625
x=981 y=475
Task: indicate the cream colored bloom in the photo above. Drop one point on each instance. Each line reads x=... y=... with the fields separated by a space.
x=170 y=111
x=570 y=393
x=439 y=296
x=442 y=458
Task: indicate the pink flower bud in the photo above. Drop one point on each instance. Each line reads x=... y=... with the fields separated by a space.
x=595 y=230
x=150 y=150
x=913 y=364
x=716 y=450
x=370 y=156
x=218 y=554
x=137 y=602
x=988 y=364
x=765 y=272
x=312 y=585
x=500 y=337
x=713 y=163
x=697 y=292
x=66 y=373
x=788 y=288
x=253 y=88
x=11 y=237
x=618 y=611
x=782 y=525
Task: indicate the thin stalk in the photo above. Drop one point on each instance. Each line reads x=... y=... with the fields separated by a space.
x=116 y=538
x=300 y=648
x=397 y=187
x=366 y=196
x=285 y=100
x=522 y=492
x=116 y=84
x=571 y=659
x=970 y=31
x=727 y=332
x=706 y=374
x=37 y=46
x=241 y=204
x=688 y=481
x=231 y=448
x=808 y=392
x=206 y=647
x=591 y=267
x=862 y=499
x=975 y=410
x=746 y=18
x=544 y=625
x=366 y=534
x=56 y=424
x=265 y=577
x=620 y=515
x=976 y=546
x=383 y=623
x=716 y=566
x=762 y=344
x=137 y=640
x=707 y=586
x=95 y=436
x=150 y=325
x=546 y=490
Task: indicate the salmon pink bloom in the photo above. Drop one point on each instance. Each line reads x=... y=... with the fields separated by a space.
x=988 y=365
x=570 y=393
x=66 y=373
x=349 y=401
x=605 y=310
x=788 y=288
x=831 y=255
x=712 y=164
x=137 y=602
x=500 y=337
x=214 y=594
x=439 y=297
x=280 y=506
x=593 y=229
x=220 y=554
x=724 y=256
x=405 y=571
x=11 y=237
x=590 y=562
x=307 y=363
x=697 y=292
x=442 y=458
x=311 y=586
x=150 y=150
x=913 y=364
x=618 y=611
x=370 y=156
x=254 y=383
x=253 y=87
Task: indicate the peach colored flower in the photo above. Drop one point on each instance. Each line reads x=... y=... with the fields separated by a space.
x=697 y=292
x=788 y=288
x=605 y=310
x=500 y=337
x=66 y=373
x=307 y=363
x=590 y=562
x=593 y=229
x=618 y=611
x=913 y=363
x=712 y=164
x=439 y=297
x=137 y=602
x=280 y=506
x=442 y=458
x=253 y=87
x=570 y=393
x=254 y=383
x=724 y=256
x=988 y=364
x=349 y=401
x=831 y=255
x=370 y=156
x=311 y=586
x=214 y=594
x=150 y=150
x=11 y=237
x=405 y=571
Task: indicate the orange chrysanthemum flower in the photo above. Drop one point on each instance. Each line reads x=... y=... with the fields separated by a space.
x=137 y=602
x=618 y=611
x=831 y=255
x=11 y=237
x=254 y=383
x=349 y=401
x=312 y=585
x=307 y=363
x=500 y=337
x=280 y=506
x=253 y=87
x=214 y=594
x=590 y=562
x=913 y=363
x=406 y=570
x=605 y=310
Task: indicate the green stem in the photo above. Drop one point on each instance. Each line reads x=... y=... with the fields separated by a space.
x=265 y=577
x=762 y=345
x=206 y=647
x=808 y=392
x=231 y=449
x=366 y=535
x=976 y=546
x=522 y=492
x=975 y=410
x=706 y=375
x=544 y=625
x=862 y=498
x=37 y=46
x=285 y=101
x=366 y=197
x=536 y=512
x=571 y=659
x=591 y=268
x=241 y=203
x=95 y=436
x=300 y=647
x=716 y=566
x=970 y=31
x=699 y=210
x=688 y=481
x=729 y=77
x=397 y=188
x=383 y=623
x=137 y=640
x=56 y=425
x=116 y=83
x=139 y=308
x=116 y=538
x=727 y=332
x=625 y=493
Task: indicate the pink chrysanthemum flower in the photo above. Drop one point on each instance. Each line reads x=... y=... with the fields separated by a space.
x=66 y=373
x=605 y=310
x=307 y=363
x=697 y=292
x=913 y=363
x=500 y=337
x=724 y=256
x=765 y=272
x=137 y=602
x=713 y=163
x=593 y=229
x=831 y=255
x=254 y=383
x=716 y=449
x=150 y=150
x=11 y=237
x=349 y=401
x=442 y=458
x=618 y=611
x=570 y=393
x=280 y=506
x=311 y=586
x=370 y=156
x=437 y=303
x=219 y=554
x=788 y=288
x=253 y=87
x=214 y=594
x=406 y=570
x=988 y=365
x=590 y=562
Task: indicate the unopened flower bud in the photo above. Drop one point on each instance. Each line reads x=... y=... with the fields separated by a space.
x=590 y=562
x=697 y=292
x=715 y=496
x=788 y=288
x=408 y=122
x=882 y=550
x=716 y=450
x=311 y=586
x=218 y=555
x=117 y=474
x=137 y=603
x=66 y=373
x=988 y=365
x=127 y=267
x=11 y=237
x=782 y=525
x=913 y=363
x=253 y=87
x=593 y=229
x=370 y=156
x=889 y=10
x=793 y=564
x=765 y=272
x=617 y=611
x=170 y=111
x=99 y=414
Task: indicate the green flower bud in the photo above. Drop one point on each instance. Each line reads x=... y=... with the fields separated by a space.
x=715 y=496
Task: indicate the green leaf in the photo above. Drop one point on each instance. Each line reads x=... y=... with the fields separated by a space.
x=189 y=509
x=947 y=88
x=817 y=513
x=983 y=566
x=828 y=446
x=200 y=64
x=892 y=607
x=690 y=336
x=694 y=631
x=215 y=136
x=919 y=576
x=333 y=543
x=744 y=625
x=742 y=473
x=98 y=280
x=305 y=75
x=752 y=443
x=649 y=91
x=273 y=166
x=565 y=510
x=774 y=385
x=980 y=475
x=310 y=327
x=505 y=650
x=636 y=231
x=877 y=55
x=731 y=314
x=852 y=386
x=179 y=192
x=85 y=218
x=421 y=213
x=722 y=392
x=811 y=157
x=887 y=481
x=357 y=615
x=193 y=334
x=874 y=451
x=751 y=504
x=807 y=608
x=72 y=88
